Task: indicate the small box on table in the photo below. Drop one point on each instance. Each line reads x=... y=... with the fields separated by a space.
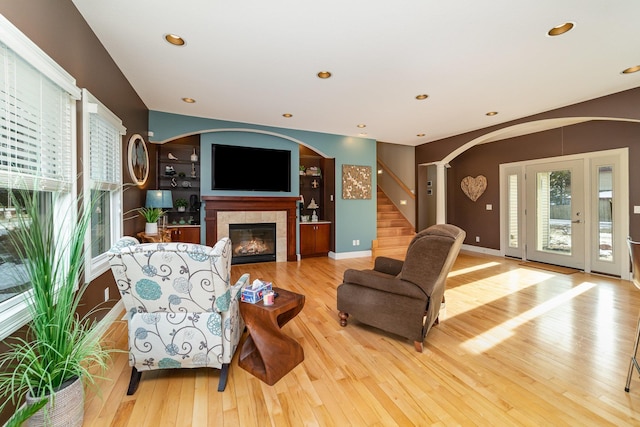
x=255 y=292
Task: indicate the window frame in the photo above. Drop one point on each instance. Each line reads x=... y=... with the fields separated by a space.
x=98 y=265
x=14 y=312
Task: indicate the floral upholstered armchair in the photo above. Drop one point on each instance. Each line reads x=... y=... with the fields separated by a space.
x=181 y=309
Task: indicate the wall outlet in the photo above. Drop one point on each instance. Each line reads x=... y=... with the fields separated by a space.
x=106 y=294
x=636 y=209
x=354 y=243
x=489 y=207
x=403 y=202
x=357 y=242
x=477 y=239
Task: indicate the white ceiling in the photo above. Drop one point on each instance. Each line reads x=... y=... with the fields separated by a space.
x=253 y=60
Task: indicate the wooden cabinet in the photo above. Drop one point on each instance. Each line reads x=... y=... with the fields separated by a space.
x=317 y=184
x=186 y=234
x=315 y=239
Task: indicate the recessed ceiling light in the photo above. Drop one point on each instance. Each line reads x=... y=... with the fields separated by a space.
x=422 y=96
x=174 y=39
x=189 y=100
x=324 y=74
x=631 y=70
x=362 y=125
x=492 y=113
x=561 y=29
x=420 y=135
x=287 y=115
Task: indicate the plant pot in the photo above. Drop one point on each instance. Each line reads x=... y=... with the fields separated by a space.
x=181 y=208
x=151 y=228
x=65 y=409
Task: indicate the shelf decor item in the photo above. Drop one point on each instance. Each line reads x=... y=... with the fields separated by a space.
x=313 y=204
x=61 y=350
x=194 y=156
x=181 y=204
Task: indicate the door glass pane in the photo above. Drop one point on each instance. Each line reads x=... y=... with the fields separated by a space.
x=553 y=211
x=513 y=210
x=605 y=213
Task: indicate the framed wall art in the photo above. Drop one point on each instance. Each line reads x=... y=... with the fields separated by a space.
x=138 y=159
x=356 y=182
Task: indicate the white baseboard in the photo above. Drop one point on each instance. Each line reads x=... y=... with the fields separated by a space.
x=480 y=249
x=112 y=316
x=346 y=255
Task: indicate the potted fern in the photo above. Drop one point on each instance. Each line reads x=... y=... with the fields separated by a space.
x=60 y=350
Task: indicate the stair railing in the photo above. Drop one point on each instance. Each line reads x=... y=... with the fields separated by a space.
x=398 y=181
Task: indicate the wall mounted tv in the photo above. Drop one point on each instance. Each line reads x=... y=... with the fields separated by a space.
x=250 y=169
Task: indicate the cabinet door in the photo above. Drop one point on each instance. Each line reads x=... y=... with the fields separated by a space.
x=186 y=235
x=307 y=239
x=323 y=238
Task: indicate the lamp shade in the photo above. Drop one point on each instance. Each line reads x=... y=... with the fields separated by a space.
x=159 y=199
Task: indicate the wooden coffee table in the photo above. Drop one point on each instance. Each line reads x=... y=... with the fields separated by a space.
x=266 y=352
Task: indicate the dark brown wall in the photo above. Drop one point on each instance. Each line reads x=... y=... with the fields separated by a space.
x=58 y=28
x=485 y=159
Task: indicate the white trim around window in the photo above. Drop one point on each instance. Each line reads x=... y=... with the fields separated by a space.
x=102 y=133
x=25 y=66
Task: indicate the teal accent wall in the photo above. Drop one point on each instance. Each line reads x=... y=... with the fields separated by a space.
x=355 y=219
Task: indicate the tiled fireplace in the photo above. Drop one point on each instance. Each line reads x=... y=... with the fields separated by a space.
x=221 y=211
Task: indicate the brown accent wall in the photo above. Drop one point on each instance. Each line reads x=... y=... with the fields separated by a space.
x=57 y=28
x=485 y=159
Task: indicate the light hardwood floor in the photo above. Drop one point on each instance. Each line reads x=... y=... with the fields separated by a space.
x=515 y=346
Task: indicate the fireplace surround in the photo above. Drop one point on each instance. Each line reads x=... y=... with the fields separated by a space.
x=222 y=210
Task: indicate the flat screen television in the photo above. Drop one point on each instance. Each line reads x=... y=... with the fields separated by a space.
x=250 y=169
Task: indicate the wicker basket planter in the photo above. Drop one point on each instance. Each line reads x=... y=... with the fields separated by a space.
x=65 y=409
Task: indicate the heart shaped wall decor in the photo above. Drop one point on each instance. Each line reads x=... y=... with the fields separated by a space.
x=473 y=187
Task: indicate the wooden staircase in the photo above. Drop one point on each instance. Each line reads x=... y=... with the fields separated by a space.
x=394 y=231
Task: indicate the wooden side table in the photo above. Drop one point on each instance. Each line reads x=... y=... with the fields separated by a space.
x=163 y=236
x=266 y=352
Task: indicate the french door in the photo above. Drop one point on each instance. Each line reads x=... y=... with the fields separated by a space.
x=569 y=211
x=555 y=213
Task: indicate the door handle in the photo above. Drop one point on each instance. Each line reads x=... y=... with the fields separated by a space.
x=577 y=221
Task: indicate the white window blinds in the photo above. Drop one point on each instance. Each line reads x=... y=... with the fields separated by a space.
x=104 y=151
x=36 y=133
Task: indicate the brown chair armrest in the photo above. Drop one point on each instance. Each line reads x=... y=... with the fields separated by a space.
x=388 y=265
x=383 y=282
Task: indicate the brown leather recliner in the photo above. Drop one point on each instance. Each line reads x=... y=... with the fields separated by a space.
x=403 y=297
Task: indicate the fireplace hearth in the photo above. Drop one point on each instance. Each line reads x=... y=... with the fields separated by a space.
x=252 y=242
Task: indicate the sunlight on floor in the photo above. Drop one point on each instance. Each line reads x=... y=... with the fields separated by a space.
x=478 y=267
x=505 y=330
x=501 y=285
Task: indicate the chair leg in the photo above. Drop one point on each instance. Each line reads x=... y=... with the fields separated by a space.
x=633 y=364
x=134 y=381
x=418 y=346
x=343 y=318
x=224 y=374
